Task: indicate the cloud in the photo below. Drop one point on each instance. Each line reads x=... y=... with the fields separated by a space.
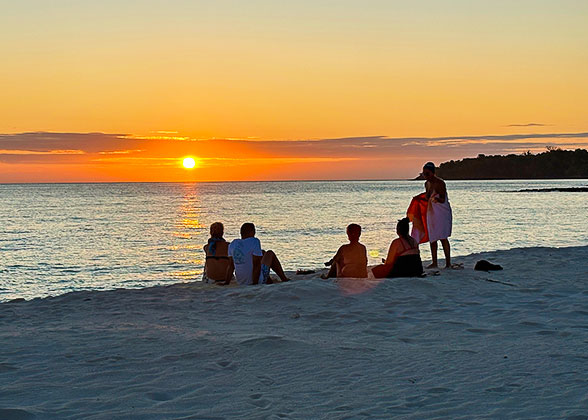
x=46 y=141
x=528 y=125
x=36 y=152
x=100 y=148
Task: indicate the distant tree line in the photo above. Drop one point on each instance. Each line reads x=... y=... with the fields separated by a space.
x=554 y=163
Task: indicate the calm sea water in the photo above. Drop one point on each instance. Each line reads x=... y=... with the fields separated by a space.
x=56 y=238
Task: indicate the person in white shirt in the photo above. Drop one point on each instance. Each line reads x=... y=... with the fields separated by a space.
x=252 y=264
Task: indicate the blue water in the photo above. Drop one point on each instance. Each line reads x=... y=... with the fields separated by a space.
x=56 y=238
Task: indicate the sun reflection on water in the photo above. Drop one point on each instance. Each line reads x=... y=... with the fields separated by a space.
x=189 y=235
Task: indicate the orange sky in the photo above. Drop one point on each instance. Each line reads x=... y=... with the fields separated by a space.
x=162 y=80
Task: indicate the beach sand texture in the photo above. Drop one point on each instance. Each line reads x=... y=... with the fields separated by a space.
x=462 y=345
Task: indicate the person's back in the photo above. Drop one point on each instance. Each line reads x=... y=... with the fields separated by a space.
x=242 y=252
x=217 y=267
x=252 y=264
x=352 y=260
x=403 y=258
x=217 y=264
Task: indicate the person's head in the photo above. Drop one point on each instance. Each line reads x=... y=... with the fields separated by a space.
x=353 y=232
x=429 y=171
x=217 y=230
x=402 y=227
x=247 y=230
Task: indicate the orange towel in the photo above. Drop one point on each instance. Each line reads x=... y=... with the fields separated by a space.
x=417 y=213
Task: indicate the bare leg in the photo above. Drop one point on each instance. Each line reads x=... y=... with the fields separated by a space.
x=447 y=252
x=433 y=255
x=271 y=260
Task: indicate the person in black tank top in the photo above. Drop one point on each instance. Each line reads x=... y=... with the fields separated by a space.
x=403 y=259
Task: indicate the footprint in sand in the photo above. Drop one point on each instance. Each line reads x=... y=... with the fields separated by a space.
x=159 y=396
x=438 y=390
x=257 y=401
x=266 y=380
x=5 y=367
x=15 y=414
x=227 y=364
x=480 y=330
x=546 y=332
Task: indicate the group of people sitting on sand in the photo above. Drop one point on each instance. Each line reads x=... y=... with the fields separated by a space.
x=251 y=265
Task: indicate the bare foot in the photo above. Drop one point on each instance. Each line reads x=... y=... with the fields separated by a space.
x=285 y=279
x=433 y=265
x=456 y=266
x=324 y=276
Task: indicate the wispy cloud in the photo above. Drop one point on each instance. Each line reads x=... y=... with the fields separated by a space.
x=528 y=125
x=88 y=148
x=37 y=152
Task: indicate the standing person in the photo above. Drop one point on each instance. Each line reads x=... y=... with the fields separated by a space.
x=252 y=264
x=439 y=217
x=218 y=267
x=351 y=259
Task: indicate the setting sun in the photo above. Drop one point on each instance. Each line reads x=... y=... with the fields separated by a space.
x=189 y=163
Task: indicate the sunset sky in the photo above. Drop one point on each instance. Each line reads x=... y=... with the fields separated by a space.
x=124 y=90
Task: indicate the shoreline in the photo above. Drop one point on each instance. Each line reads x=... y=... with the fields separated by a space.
x=198 y=285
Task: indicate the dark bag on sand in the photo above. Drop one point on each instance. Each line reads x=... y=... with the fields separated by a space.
x=484 y=265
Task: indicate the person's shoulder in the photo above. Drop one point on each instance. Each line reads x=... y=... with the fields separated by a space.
x=252 y=240
x=342 y=249
x=252 y=243
x=396 y=243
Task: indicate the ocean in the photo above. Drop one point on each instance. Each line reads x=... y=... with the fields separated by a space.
x=58 y=238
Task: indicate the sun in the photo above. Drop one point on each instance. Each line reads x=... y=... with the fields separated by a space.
x=189 y=163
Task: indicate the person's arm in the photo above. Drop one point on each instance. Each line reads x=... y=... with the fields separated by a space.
x=392 y=253
x=335 y=264
x=256 y=269
x=441 y=192
x=427 y=190
x=229 y=274
x=205 y=248
x=256 y=255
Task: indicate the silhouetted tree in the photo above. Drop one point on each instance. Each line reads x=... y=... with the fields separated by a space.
x=555 y=163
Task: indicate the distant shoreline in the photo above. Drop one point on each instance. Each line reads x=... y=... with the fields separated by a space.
x=572 y=189
x=555 y=163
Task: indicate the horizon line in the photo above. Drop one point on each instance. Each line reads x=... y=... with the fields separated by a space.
x=283 y=180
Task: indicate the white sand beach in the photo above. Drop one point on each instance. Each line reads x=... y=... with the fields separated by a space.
x=461 y=345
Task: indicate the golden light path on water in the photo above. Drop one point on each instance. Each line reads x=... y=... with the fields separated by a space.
x=190 y=235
